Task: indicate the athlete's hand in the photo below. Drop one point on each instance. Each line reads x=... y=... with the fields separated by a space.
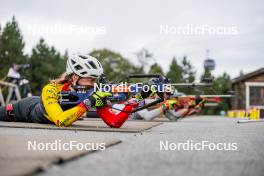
x=200 y=105
x=97 y=99
x=169 y=104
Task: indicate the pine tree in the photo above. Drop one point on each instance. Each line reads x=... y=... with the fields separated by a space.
x=11 y=46
x=155 y=69
x=222 y=86
x=188 y=70
x=46 y=63
x=175 y=72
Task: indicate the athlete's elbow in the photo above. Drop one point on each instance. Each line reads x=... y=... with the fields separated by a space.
x=115 y=125
x=61 y=124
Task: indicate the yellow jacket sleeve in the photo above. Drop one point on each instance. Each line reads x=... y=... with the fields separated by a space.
x=53 y=109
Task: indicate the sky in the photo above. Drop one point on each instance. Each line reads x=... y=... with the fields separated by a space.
x=231 y=30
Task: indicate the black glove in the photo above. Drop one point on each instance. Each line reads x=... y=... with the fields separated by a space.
x=98 y=99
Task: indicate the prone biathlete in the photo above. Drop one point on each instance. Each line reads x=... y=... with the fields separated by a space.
x=172 y=109
x=193 y=105
x=166 y=108
x=81 y=70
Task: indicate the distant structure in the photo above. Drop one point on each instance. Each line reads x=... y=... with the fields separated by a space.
x=249 y=90
x=209 y=64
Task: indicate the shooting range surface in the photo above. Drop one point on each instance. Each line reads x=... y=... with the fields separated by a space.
x=16 y=159
x=140 y=154
x=87 y=125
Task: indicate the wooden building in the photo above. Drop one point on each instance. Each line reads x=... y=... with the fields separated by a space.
x=249 y=90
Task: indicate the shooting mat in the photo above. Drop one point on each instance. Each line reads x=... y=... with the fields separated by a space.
x=87 y=125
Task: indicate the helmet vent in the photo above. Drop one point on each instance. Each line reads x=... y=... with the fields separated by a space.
x=94 y=76
x=73 y=62
x=83 y=73
x=78 y=67
x=92 y=64
x=83 y=57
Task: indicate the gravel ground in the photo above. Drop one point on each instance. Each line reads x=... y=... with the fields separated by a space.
x=140 y=154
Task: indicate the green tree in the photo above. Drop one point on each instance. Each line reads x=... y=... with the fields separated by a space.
x=155 y=69
x=116 y=67
x=188 y=70
x=222 y=84
x=46 y=63
x=175 y=72
x=11 y=46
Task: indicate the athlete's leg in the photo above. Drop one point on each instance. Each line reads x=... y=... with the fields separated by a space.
x=150 y=115
x=175 y=115
x=23 y=111
x=3 y=114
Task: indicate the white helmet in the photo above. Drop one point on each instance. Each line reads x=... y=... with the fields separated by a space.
x=84 y=66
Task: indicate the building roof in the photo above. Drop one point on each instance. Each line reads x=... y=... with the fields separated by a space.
x=248 y=75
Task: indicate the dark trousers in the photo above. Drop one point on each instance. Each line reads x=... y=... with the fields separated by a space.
x=26 y=110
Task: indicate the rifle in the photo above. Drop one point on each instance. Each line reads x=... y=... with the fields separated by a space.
x=78 y=97
x=74 y=98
